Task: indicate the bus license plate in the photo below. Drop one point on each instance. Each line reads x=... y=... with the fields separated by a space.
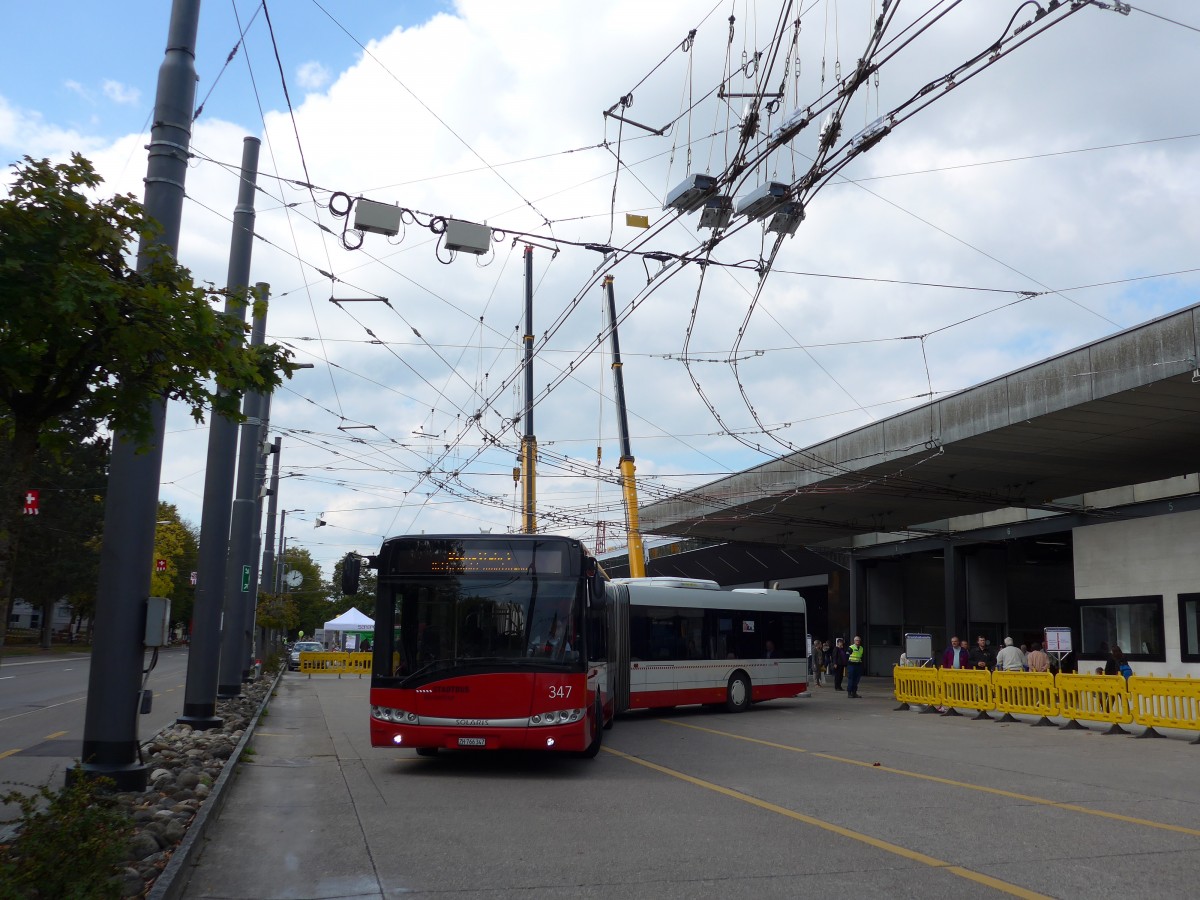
x=472 y=742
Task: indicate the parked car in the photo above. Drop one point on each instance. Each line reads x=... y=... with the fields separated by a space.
x=302 y=647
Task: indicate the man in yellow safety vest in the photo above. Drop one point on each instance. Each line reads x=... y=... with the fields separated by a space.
x=854 y=667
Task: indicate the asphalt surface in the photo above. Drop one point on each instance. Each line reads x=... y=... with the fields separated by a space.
x=788 y=799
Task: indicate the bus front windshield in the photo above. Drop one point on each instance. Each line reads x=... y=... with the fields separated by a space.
x=451 y=622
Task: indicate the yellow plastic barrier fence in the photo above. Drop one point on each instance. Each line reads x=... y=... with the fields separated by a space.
x=917 y=685
x=1097 y=698
x=359 y=662
x=1151 y=701
x=968 y=689
x=324 y=663
x=1164 y=703
x=1030 y=693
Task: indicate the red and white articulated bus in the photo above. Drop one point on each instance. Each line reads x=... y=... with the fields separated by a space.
x=518 y=642
x=680 y=641
x=488 y=642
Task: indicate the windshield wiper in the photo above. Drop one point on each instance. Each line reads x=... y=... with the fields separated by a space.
x=432 y=665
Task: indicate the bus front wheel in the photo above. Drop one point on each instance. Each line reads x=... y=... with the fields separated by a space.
x=594 y=747
x=737 y=694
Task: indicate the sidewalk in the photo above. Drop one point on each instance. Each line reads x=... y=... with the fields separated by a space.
x=285 y=824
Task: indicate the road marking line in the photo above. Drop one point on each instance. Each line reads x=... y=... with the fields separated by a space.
x=887 y=847
x=30 y=712
x=8 y=753
x=999 y=792
x=56 y=734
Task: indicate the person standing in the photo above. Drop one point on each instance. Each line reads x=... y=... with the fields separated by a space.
x=818 y=659
x=982 y=656
x=1010 y=658
x=854 y=667
x=1038 y=659
x=1117 y=664
x=837 y=663
x=956 y=655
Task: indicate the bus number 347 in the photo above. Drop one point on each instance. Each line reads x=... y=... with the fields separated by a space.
x=560 y=692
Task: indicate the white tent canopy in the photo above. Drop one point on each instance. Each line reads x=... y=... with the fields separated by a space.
x=350 y=620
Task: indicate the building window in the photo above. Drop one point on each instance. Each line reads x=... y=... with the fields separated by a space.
x=1135 y=624
x=1189 y=627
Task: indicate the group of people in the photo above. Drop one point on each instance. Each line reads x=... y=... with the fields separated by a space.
x=841 y=662
x=1011 y=658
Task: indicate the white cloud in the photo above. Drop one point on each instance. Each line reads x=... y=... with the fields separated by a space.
x=25 y=132
x=312 y=75
x=121 y=93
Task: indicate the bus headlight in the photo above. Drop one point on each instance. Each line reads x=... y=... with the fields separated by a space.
x=397 y=716
x=557 y=717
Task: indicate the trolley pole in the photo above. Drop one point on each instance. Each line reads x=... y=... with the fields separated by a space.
x=529 y=442
x=200 y=690
x=240 y=591
x=637 y=556
x=110 y=742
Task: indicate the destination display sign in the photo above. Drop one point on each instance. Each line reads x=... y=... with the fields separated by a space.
x=479 y=557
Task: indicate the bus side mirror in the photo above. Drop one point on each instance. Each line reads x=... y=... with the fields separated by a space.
x=350 y=569
x=596 y=582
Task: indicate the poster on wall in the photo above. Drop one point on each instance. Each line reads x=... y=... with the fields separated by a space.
x=1058 y=640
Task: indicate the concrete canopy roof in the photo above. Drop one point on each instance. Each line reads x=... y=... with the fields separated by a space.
x=1122 y=410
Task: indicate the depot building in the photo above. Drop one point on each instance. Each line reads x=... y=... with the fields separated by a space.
x=1061 y=495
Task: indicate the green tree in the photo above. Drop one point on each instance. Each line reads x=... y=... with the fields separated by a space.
x=56 y=552
x=83 y=333
x=178 y=542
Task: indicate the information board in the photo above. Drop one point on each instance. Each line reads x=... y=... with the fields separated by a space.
x=918 y=646
x=1058 y=640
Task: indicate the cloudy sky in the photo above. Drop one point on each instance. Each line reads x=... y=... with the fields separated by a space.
x=1044 y=202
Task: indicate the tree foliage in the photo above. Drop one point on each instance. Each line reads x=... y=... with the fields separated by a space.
x=84 y=334
x=177 y=542
x=56 y=552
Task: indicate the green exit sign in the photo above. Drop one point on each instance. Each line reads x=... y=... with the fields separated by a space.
x=245 y=579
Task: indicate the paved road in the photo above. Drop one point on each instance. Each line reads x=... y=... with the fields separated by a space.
x=43 y=702
x=794 y=798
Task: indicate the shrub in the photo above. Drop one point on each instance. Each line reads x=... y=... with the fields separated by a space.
x=70 y=844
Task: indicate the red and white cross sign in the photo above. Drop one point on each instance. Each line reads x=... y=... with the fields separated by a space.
x=31 y=503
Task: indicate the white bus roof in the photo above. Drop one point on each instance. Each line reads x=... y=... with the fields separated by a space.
x=642 y=594
x=671 y=581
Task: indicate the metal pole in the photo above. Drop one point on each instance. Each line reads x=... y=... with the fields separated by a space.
x=281 y=563
x=239 y=562
x=110 y=742
x=529 y=442
x=200 y=692
x=637 y=557
x=267 y=572
x=254 y=648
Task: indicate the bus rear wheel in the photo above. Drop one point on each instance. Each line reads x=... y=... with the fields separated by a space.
x=737 y=693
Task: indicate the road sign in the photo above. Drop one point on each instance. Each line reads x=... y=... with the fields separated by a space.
x=160 y=565
x=32 y=502
x=193 y=579
x=245 y=579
